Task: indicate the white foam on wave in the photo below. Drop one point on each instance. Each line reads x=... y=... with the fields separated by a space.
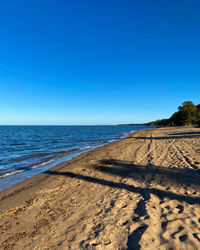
x=87 y=147
x=10 y=173
x=42 y=164
x=111 y=140
x=133 y=131
x=124 y=135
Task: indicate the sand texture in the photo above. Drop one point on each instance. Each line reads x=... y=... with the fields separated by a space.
x=139 y=193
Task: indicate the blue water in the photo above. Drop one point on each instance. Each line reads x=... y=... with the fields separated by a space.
x=28 y=150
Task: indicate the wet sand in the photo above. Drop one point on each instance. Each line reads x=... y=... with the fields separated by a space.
x=139 y=193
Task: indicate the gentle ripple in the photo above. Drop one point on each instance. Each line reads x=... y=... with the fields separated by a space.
x=37 y=148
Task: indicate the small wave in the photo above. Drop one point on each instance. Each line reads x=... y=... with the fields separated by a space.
x=132 y=131
x=41 y=164
x=65 y=151
x=10 y=173
x=23 y=169
x=49 y=160
x=42 y=155
x=16 y=144
x=28 y=156
x=124 y=135
x=104 y=141
x=112 y=140
x=87 y=147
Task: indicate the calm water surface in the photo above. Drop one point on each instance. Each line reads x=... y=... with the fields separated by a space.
x=28 y=150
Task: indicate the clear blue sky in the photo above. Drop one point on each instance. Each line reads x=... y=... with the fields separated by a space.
x=97 y=62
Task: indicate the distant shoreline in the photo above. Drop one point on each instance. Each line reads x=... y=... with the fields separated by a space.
x=137 y=124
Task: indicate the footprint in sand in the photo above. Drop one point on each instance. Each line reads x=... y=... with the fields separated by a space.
x=134 y=238
x=197 y=236
x=181 y=208
x=183 y=237
x=178 y=231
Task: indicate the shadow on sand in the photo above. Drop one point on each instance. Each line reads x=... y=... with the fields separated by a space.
x=141 y=174
x=176 y=176
x=169 y=136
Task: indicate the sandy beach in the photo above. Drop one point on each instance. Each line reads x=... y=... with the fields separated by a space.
x=138 y=193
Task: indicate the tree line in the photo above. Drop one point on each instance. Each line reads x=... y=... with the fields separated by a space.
x=187 y=114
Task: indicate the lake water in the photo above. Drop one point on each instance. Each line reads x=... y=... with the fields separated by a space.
x=28 y=150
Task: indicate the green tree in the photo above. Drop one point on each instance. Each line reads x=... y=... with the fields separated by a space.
x=187 y=115
x=198 y=115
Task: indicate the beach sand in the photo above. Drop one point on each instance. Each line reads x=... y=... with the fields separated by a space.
x=139 y=193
